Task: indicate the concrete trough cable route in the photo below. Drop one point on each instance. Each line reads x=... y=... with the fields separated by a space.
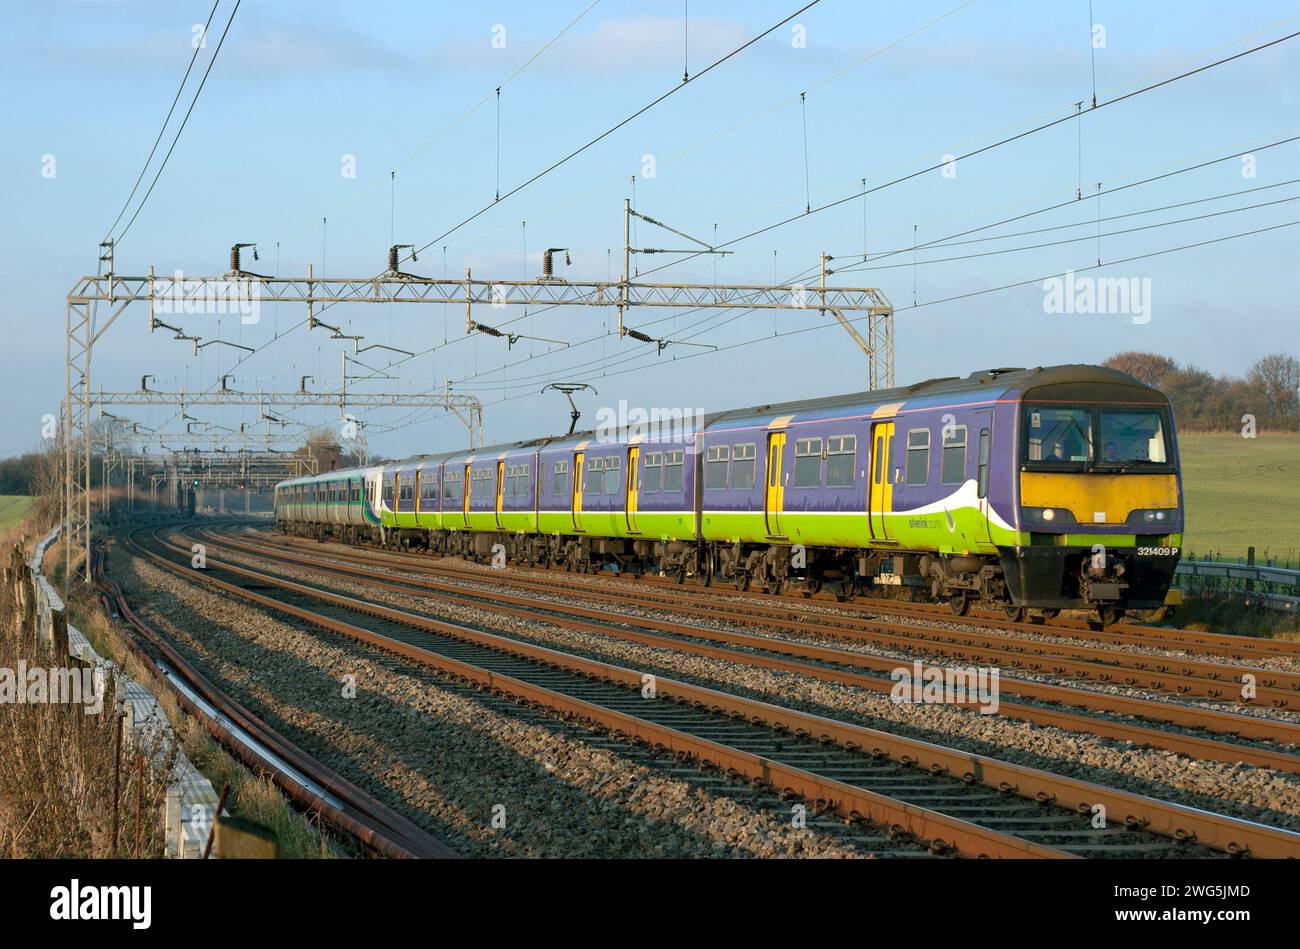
x=772 y=745
x=599 y=622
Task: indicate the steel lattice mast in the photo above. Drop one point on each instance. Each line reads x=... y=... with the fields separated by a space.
x=243 y=292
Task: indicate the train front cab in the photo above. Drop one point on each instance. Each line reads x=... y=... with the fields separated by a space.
x=1098 y=498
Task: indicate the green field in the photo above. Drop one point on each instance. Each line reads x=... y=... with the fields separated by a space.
x=13 y=508
x=1240 y=492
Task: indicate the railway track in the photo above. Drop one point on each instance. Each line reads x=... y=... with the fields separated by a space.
x=771 y=653
x=778 y=607
x=316 y=788
x=1215 y=681
x=954 y=801
x=1224 y=644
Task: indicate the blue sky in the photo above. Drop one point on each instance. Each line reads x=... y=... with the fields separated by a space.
x=298 y=86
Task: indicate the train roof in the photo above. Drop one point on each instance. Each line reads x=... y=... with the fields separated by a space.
x=1063 y=381
x=990 y=383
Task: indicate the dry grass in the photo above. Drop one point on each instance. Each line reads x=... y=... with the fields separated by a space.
x=60 y=768
x=253 y=796
x=1224 y=613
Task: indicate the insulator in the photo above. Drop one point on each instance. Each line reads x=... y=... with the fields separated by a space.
x=234 y=259
x=546 y=265
x=392 y=258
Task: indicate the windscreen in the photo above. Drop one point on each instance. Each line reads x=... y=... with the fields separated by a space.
x=1096 y=436
x=1131 y=437
x=1058 y=435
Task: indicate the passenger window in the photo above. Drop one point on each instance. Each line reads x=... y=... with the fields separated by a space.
x=841 y=453
x=715 y=476
x=742 y=466
x=560 y=479
x=918 y=456
x=613 y=472
x=652 y=473
x=808 y=463
x=673 y=470
x=954 y=455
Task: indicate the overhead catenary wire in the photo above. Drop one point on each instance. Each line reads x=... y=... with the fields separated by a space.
x=865 y=190
x=750 y=342
x=963 y=233
x=1086 y=237
x=200 y=44
x=609 y=131
x=939 y=241
x=572 y=368
x=188 y=112
x=954 y=297
x=1017 y=136
x=624 y=121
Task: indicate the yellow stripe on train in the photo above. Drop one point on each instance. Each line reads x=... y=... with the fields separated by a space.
x=1098 y=498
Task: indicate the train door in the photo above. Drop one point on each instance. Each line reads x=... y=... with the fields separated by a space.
x=501 y=486
x=577 y=489
x=983 y=429
x=419 y=480
x=465 y=497
x=774 y=497
x=882 y=489
x=633 y=456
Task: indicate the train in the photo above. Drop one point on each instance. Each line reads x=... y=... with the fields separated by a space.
x=1026 y=490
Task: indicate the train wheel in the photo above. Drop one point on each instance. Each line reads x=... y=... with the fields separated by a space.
x=812 y=586
x=1109 y=615
x=775 y=584
x=846 y=589
x=742 y=579
x=1048 y=615
x=959 y=603
x=1014 y=613
x=708 y=569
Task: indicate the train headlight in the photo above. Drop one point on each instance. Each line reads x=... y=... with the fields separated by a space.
x=1047 y=516
x=1151 y=516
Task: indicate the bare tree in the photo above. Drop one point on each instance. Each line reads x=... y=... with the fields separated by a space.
x=1151 y=368
x=1277 y=378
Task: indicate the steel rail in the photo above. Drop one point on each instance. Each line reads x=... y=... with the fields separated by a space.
x=942 y=832
x=597 y=621
x=360 y=815
x=1163 y=673
x=1125 y=633
x=1184 y=824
